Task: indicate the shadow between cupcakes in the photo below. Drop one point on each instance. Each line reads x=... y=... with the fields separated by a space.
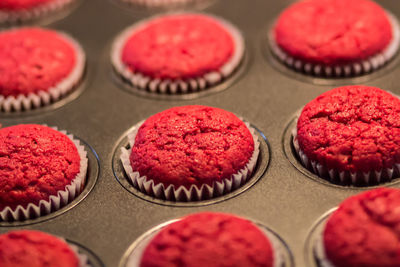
x=290 y=153
x=122 y=178
x=137 y=247
x=91 y=179
x=277 y=64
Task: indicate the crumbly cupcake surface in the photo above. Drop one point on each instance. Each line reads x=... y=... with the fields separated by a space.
x=35 y=249
x=364 y=231
x=351 y=128
x=33 y=60
x=17 y=5
x=333 y=32
x=178 y=47
x=191 y=145
x=35 y=163
x=209 y=239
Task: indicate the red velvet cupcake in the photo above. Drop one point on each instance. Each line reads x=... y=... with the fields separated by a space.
x=190 y=153
x=24 y=248
x=12 y=11
x=37 y=67
x=41 y=170
x=335 y=38
x=351 y=135
x=178 y=53
x=212 y=240
x=363 y=231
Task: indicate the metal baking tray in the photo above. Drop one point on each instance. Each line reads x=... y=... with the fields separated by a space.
x=109 y=216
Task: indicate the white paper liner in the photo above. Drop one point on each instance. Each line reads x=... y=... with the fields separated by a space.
x=348 y=70
x=83 y=259
x=319 y=248
x=43 y=98
x=333 y=175
x=33 y=13
x=181 y=193
x=279 y=258
x=167 y=86
x=320 y=254
x=55 y=202
x=135 y=257
x=161 y=3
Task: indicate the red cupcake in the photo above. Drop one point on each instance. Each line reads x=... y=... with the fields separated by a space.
x=190 y=153
x=24 y=248
x=178 y=53
x=212 y=240
x=334 y=38
x=37 y=67
x=41 y=170
x=363 y=231
x=351 y=135
x=12 y=11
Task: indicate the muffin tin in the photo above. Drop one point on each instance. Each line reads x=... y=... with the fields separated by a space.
x=108 y=217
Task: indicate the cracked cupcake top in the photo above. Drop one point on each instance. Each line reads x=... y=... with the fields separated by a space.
x=365 y=230
x=178 y=47
x=33 y=60
x=209 y=239
x=351 y=128
x=35 y=249
x=191 y=145
x=333 y=32
x=35 y=163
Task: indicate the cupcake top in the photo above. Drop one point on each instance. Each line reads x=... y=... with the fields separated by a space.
x=24 y=248
x=178 y=47
x=209 y=239
x=35 y=163
x=33 y=60
x=351 y=128
x=333 y=32
x=191 y=145
x=17 y=5
x=364 y=231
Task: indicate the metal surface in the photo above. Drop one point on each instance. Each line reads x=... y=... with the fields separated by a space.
x=110 y=218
